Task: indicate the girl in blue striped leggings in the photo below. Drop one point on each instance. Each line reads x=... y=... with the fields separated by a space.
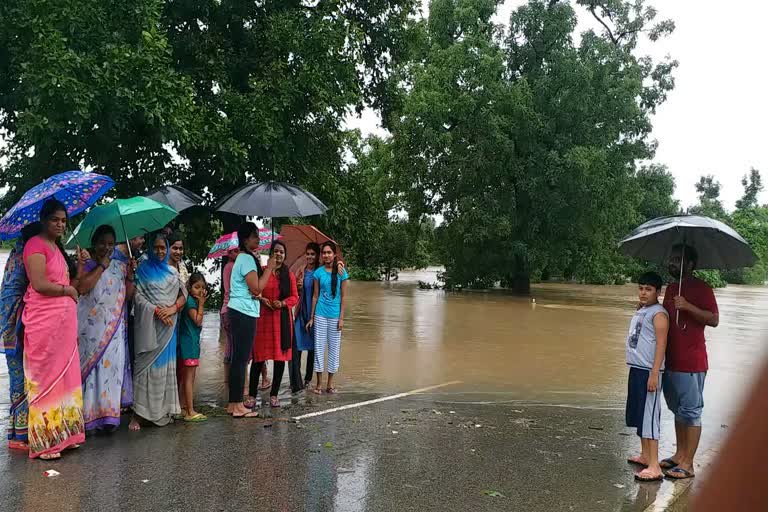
x=330 y=287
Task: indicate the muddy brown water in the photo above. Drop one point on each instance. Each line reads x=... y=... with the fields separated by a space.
x=564 y=345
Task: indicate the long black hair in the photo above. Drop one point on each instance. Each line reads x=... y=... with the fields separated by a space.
x=285 y=281
x=244 y=232
x=104 y=229
x=50 y=207
x=335 y=269
x=195 y=277
x=284 y=277
x=314 y=246
x=30 y=230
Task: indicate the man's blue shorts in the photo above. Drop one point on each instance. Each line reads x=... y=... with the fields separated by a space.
x=684 y=393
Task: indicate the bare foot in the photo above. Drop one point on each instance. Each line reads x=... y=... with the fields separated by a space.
x=239 y=410
x=18 y=445
x=134 y=426
x=317 y=391
x=639 y=460
x=648 y=475
x=249 y=414
x=50 y=456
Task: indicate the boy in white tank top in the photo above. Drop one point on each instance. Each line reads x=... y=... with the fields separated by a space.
x=646 y=347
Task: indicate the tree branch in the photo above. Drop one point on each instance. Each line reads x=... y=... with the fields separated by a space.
x=607 y=28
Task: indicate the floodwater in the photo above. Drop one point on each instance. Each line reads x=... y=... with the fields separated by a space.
x=565 y=345
x=561 y=348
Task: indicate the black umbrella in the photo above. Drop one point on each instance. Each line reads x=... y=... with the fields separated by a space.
x=718 y=246
x=176 y=197
x=272 y=199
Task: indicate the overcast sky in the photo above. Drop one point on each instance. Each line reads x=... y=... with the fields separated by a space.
x=714 y=120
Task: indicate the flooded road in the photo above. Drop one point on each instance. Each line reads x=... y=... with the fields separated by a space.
x=566 y=348
x=544 y=376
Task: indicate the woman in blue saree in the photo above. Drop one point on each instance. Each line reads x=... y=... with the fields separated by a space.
x=104 y=289
x=14 y=286
x=159 y=298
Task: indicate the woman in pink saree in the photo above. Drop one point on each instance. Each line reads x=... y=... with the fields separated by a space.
x=51 y=358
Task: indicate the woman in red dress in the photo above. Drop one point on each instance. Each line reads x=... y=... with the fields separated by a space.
x=274 y=331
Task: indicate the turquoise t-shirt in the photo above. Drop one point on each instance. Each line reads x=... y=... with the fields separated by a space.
x=240 y=298
x=327 y=305
x=189 y=332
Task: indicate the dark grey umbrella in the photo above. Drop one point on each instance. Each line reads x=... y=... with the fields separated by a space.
x=176 y=197
x=271 y=199
x=719 y=246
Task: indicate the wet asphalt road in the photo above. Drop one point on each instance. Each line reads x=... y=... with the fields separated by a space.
x=407 y=454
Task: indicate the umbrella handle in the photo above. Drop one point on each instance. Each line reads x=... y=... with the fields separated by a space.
x=680 y=284
x=127 y=241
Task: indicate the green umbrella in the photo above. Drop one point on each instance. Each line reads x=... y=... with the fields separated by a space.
x=128 y=217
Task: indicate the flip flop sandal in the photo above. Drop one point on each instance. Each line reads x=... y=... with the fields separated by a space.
x=636 y=463
x=50 y=456
x=274 y=402
x=651 y=479
x=685 y=474
x=197 y=418
x=18 y=445
x=332 y=391
x=252 y=414
x=668 y=464
x=317 y=391
x=249 y=402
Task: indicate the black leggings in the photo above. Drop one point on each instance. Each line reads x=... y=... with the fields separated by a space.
x=294 y=370
x=243 y=328
x=277 y=377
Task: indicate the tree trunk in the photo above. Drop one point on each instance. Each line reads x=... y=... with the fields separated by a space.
x=521 y=279
x=521 y=283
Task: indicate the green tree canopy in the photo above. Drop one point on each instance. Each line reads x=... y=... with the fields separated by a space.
x=709 y=203
x=526 y=141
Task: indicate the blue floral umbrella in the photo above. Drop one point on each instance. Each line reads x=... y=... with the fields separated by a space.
x=78 y=191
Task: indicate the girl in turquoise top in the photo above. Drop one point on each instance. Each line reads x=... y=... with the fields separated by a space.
x=330 y=286
x=191 y=325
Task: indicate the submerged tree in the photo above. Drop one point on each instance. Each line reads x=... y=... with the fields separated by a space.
x=527 y=142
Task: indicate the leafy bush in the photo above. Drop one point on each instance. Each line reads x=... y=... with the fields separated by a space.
x=364 y=274
x=712 y=277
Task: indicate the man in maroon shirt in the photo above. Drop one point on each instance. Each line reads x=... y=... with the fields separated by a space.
x=686 y=363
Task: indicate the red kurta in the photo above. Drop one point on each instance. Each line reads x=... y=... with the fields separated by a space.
x=266 y=346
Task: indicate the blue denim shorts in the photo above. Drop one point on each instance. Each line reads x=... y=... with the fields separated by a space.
x=684 y=393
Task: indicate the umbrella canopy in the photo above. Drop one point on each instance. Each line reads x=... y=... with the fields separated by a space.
x=78 y=191
x=128 y=217
x=296 y=238
x=272 y=199
x=718 y=246
x=176 y=197
x=230 y=241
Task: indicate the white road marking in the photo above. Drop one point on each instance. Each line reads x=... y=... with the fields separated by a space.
x=374 y=401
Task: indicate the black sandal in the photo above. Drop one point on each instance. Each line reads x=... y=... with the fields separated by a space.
x=668 y=463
